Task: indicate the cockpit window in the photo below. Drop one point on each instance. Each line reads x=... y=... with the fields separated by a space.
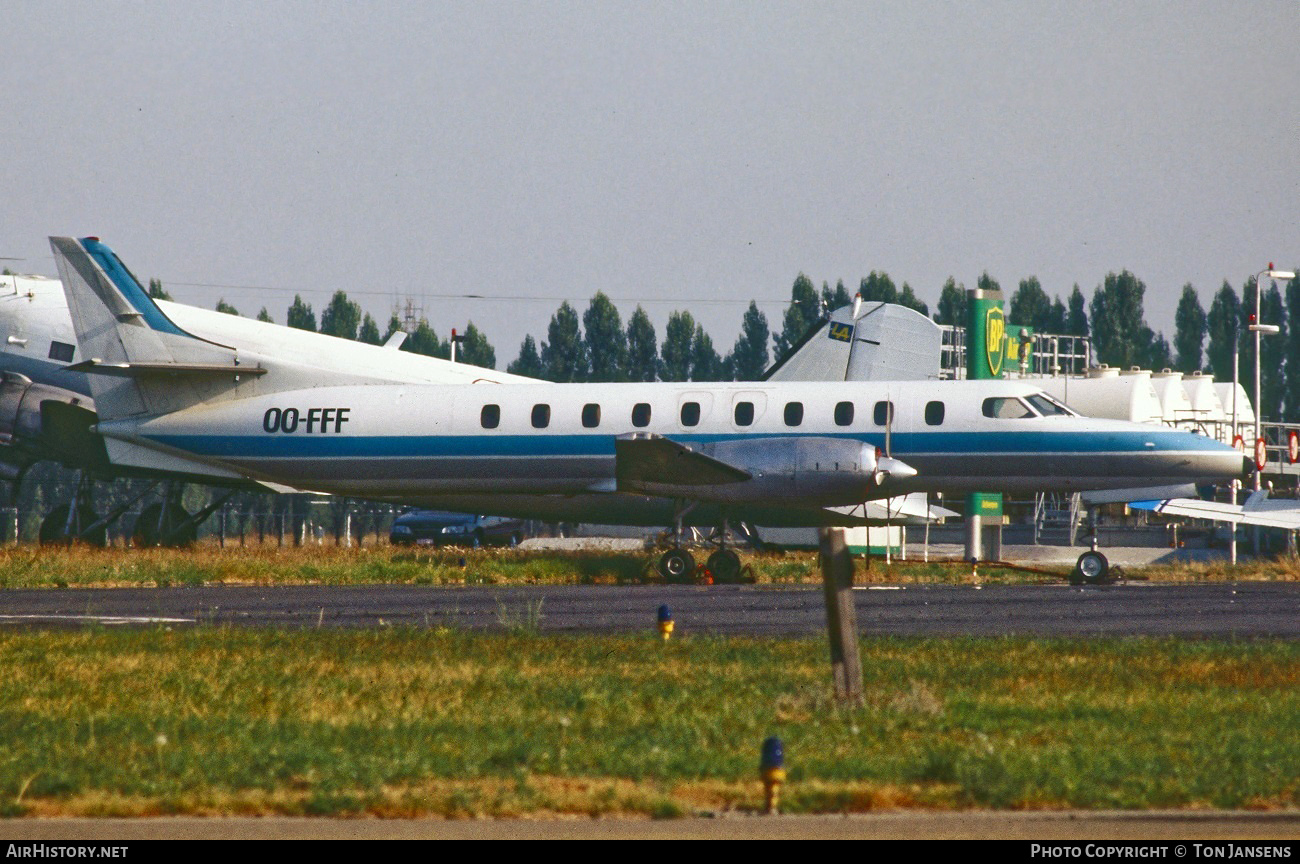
x=1004 y=408
x=1049 y=407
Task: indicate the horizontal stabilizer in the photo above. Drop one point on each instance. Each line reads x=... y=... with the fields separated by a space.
x=644 y=459
x=910 y=509
x=142 y=370
x=1258 y=510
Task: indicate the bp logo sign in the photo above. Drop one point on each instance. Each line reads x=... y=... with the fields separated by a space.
x=995 y=343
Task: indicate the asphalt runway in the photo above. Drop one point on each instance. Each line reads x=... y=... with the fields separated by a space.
x=1240 y=610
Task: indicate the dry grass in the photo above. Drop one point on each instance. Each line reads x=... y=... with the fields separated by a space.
x=37 y=567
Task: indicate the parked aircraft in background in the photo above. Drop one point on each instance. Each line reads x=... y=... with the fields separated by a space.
x=46 y=408
x=794 y=453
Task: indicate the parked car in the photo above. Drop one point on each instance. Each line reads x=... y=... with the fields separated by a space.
x=441 y=528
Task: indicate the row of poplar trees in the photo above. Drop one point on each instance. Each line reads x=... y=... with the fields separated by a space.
x=596 y=345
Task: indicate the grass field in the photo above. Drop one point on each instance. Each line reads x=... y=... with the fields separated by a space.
x=400 y=723
x=49 y=567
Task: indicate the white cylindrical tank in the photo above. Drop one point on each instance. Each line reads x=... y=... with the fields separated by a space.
x=1245 y=413
x=1175 y=404
x=1108 y=394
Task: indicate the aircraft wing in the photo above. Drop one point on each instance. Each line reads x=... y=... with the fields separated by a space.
x=1258 y=510
x=643 y=460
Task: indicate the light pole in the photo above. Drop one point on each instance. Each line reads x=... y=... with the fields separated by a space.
x=1259 y=329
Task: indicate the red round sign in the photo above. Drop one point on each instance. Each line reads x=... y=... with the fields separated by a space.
x=1261 y=453
x=1239 y=443
x=1293 y=446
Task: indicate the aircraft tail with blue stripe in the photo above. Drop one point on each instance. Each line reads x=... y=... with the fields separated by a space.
x=139 y=362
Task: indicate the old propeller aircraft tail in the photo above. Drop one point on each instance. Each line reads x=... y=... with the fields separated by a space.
x=139 y=362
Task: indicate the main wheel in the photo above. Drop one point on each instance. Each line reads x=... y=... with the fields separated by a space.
x=149 y=532
x=54 y=526
x=1091 y=568
x=725 y=566
x=677 y=565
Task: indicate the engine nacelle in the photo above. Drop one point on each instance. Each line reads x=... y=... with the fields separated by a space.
x=807 y=471
x=23 y=433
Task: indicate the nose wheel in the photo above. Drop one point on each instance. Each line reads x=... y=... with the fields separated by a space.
x=1092 y=568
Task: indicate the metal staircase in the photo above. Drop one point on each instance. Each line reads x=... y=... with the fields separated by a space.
x=1056 y=519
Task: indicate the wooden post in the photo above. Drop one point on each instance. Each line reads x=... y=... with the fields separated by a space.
x=841 y=617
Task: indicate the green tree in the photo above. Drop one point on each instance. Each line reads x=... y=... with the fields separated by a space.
x=804 y=311
x=1120 y=334
x=156 y=290
x=1189 y=330
x=606 y=346
x=529 y=362
x=675 y=353
x=394 y=324
x=706 y=365
x=878 y=288
x=341 y=317
x=265 y=316
x=475 y=349
x=1030 y=306
x=564 y=354
x=425 y=341
x=1223 y=320
x=223 y=306
x=908 y=298
x=749 y=356
x=1076 y=319
x=369 y=332
x=1056 y=320
x=952 y=304
x=832 y=300
x=642 y=348
x=301 y=316
x=1157 y=355
x=1272 y=353
x=1292 y=376
x=1245 y=315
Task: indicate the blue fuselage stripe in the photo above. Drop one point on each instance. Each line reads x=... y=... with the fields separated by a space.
x=324 y=446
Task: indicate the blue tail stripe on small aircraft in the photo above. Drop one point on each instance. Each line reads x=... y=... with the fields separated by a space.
x=130 y=287
x=421 y=446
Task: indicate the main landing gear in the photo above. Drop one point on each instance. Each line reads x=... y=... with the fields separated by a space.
x=678 y=565
x=76 y=521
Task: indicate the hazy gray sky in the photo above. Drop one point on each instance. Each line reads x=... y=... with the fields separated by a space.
x=684 y=152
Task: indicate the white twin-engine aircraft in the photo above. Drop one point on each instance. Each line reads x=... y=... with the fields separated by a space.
x=771 y=453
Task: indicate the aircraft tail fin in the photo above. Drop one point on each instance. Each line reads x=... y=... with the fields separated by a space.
x=140 y=361
x=869 y=341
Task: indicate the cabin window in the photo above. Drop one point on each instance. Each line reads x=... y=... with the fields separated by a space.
x=933 y=413
x=793 y=413
x=490 y=416
x=690 y=413
x=883 y=415
x=843 y=413
x=62 y=351
x=744 y=413
x=1003 y=408
x=591 y=415
x=1049 y=407
x=541 y=416
x=641 y=415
